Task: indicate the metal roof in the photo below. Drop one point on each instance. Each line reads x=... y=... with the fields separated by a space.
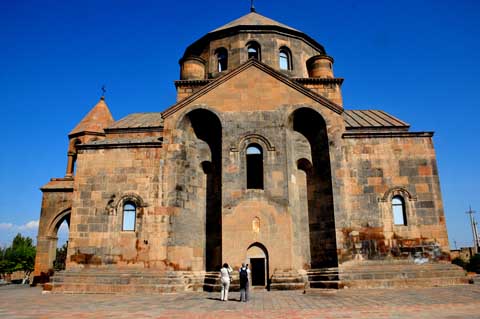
x=372 y=119
x=138 y=120
x=354 y=119
x=253 y=19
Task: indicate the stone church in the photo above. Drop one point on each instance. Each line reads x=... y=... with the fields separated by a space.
x=258 y=161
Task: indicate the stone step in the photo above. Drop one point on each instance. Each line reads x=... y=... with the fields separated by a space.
x=323 y=277
x=92 y=281
x=297 y=279
x=386 y=274
x=405 y=283
x=329 y=284
x=119 y=280
x=373 y=276
x=287 y=280
x=107 y=288
x=287 y=286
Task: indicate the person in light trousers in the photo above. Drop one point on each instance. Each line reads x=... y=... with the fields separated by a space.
x=225 y=272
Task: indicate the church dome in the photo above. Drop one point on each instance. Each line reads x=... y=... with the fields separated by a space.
x=251 y=36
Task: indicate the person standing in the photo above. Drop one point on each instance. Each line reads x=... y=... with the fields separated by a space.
x=225 y=272
x=244 y=282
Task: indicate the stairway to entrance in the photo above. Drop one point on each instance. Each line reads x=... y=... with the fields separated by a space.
x=124 y=281
x=387 y=274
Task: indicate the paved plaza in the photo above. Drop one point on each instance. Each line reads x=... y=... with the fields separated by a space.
x=451 y=302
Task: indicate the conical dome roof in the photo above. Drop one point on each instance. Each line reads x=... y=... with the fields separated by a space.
x=253 y=19
x=96 y=120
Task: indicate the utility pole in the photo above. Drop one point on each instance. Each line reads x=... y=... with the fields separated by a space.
x=473 y=223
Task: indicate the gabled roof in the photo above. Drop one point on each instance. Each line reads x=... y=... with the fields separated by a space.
x=96 y=120
x=138 y=120
x=253 y=19
x=263 y=67
x=372 y=119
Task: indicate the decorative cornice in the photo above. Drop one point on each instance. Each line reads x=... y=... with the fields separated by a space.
x=192 y=57
x=385 y=134
x=183 y=83
x=318 y=80
x=59 y=185
x=120 y=145
x=134 y=129
x=73 y=135
x=265 y=68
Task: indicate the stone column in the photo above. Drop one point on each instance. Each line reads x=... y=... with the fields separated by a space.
x=70 y=164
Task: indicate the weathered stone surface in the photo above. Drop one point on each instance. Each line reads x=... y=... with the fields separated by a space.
x=324 y=178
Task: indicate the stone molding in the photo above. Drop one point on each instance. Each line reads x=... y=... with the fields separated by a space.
x=398 y=190
x=252 y=138
x=385 y=134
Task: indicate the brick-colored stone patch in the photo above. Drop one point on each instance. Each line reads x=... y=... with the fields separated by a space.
x=450 y=302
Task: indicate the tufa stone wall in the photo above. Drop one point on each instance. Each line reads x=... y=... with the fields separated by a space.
x=374 y=170
x=105 y=180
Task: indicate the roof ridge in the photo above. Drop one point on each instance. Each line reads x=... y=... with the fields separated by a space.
x=252 y=18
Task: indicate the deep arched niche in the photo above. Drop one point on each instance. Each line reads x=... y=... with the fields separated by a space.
x=206 y=126
x=321 y=219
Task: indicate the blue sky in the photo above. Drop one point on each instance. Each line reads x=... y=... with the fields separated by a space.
x=418 y=60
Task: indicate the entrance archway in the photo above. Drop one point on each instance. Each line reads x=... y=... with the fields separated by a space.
x=47 y=240
x=257 y=258
x=61 y=223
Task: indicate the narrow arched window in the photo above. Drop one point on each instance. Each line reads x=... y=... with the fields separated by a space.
x=253 y=50
x=398 y=210
x=222 y=59
x=285 y=59
x=129 y=216
x=254 y=167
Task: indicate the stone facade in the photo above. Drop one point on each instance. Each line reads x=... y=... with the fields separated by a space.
x=316 y=193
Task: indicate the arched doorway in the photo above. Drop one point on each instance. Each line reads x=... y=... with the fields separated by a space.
x=59 y=262
x=257 y=259
x=59 y=233
x=47 y=243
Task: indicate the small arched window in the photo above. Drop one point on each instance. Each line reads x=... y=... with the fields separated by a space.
x=285 y=59
x=222 y=59
x=129 y=216
x=398 y=210
x=254 y=167
x=253 y=50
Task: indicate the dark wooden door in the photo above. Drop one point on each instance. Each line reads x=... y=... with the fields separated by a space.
x=258 y=271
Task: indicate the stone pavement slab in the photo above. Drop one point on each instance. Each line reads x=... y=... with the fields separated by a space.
x=446 y=302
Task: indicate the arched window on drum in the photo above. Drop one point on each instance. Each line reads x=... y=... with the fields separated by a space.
x=285 y=59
